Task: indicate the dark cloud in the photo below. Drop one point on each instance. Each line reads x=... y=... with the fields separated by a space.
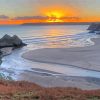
x=37 y=17
x=71 y=18
x=4 y=17
x=31 y=17
x=42 y=18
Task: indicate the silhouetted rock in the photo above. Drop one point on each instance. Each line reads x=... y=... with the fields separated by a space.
x=94 y=28
x=92 y=31
x=98 y=32
x=8 y=41
x=17 y=41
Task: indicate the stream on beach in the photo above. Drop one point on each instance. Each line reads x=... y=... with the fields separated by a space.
x=65 y=36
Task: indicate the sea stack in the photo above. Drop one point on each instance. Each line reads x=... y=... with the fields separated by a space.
x=8 y=41
x=94 y=28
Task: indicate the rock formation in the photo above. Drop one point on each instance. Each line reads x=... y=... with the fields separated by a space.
x=8 y=41
x=94 y=28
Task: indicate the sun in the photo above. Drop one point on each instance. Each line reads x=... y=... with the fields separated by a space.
x=54 y=16
x=54 y=20
x=59 y=13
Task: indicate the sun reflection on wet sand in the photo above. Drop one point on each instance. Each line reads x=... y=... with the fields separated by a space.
x=55 y=38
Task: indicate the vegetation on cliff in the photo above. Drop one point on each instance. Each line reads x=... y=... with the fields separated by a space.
x=10 y=90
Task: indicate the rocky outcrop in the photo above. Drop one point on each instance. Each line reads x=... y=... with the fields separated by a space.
x=94 y=28
x=8 y=41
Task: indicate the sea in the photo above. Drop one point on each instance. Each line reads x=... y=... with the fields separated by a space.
x=50 y=35
x=36 y=37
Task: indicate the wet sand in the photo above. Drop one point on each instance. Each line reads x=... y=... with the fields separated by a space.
x=82 y=57
x=44 y=80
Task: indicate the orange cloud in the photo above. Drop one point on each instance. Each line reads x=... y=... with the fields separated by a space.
x=51 y=14
x=59 y=11
x=70 y=19
x=52 y=17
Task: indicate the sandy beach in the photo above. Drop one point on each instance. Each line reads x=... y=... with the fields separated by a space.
x=84 y=83
x=81 y=57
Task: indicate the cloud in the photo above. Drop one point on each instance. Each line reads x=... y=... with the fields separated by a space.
x=71 y=18
x=38 y=17
x=44 y=18
x=31 y=17
x=4 y=17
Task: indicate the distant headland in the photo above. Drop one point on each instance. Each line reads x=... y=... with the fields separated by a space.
x=60 y=23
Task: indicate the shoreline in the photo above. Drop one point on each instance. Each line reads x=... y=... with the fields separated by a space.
x=44 y=55
x=57 y=56
x=4 y=52
x=48 y=80
x=52 y=81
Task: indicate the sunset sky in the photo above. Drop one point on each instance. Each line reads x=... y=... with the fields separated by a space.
x=33 y=11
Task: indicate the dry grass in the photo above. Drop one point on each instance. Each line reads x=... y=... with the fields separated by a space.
x=10 y=90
